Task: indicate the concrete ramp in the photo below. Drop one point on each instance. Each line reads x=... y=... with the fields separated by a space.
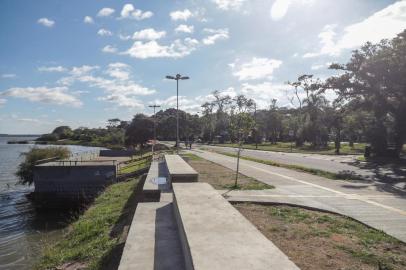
x=214 y=235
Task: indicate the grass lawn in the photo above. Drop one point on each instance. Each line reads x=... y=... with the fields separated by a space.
x=317 y=240
x=221 y=177
x=135 y=165
x=330 y=175
x=358 y=148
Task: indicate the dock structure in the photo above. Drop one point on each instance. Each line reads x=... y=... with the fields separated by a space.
x=76 y=178
x=192 y=227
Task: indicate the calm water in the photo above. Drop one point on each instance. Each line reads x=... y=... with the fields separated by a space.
x=23 y=230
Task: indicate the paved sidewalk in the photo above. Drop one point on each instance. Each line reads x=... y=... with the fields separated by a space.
x=367 y=203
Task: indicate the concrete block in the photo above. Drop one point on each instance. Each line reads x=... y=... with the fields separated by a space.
x=179 y=170
x=153 y=240
x=215 y=235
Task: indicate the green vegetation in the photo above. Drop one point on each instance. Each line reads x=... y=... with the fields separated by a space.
x=136 y=165
x=220 y=177
x=93 y=237
x=329 y=149
x=33 y=156
x=330 y=175
x=328 y=236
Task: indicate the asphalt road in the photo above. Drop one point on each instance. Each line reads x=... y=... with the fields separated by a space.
x=394 y=175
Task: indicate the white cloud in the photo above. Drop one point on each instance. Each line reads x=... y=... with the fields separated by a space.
x=182 y=15
x=130 y=12
x=184 y=28
x=2 y=101
x=83 y=70
x=279 y=9
x=105 y=12
x=52 y=69
x=88 y=19
x=118 y=87
x=8 y=76
x=149 y=34
x=190 y=105
x=216 y=34
x=46 y=22
x=153 y=49
x=109 y=49
x=257 y=68
x=44 y=94
x=384 y=24
x=104 y=32
x=119 y=71
x=264 y=92
x=124 y=37
x=229 y=4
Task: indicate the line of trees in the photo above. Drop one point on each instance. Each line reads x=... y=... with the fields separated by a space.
x=370 y=106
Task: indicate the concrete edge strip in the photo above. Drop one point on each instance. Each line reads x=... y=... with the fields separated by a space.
x=182 y=235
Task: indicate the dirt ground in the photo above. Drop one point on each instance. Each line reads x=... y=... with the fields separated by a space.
x=220 y=177
x=316 y=240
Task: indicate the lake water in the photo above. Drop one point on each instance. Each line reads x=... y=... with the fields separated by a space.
x=23 y=230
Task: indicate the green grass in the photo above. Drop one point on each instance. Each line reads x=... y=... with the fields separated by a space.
x=330 y=175
x=307 y=148
x=365 y=244
x=252 y=185
x=135 y=165
x=89 y=239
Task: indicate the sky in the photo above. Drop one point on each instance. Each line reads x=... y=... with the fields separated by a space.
x=80 y=63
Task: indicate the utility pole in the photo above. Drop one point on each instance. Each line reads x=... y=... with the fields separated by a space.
x=177 y=78
x=256 y=127
x=153 y=145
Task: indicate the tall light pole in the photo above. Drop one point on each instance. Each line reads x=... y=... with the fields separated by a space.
x=153 y=145
x=177 y=78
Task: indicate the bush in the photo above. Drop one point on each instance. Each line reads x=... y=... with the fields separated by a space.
x=25 y=170
x=48 y=138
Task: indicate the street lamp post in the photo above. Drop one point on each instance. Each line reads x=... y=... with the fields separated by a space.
x=153 y=145
x=177 y=78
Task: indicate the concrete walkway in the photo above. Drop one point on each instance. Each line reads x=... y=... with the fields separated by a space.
x=369 y=203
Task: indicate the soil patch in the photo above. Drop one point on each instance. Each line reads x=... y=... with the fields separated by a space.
x=317 y=240
x=221 y=177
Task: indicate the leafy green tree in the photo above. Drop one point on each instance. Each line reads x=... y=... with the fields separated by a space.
x=63 y=132
x=375 y=78
x=139 y=131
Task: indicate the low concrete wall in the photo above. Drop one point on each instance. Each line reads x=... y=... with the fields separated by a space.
x=73 y=181
x=117 y=153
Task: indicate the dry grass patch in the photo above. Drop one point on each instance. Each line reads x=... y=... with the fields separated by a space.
x=221 y=177
x=317 y=240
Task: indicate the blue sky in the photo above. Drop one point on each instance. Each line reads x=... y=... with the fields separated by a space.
x=80 y=63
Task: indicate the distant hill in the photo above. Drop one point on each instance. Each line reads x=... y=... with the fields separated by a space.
x=19 y=135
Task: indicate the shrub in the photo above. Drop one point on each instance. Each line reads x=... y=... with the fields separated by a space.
x=25 y=170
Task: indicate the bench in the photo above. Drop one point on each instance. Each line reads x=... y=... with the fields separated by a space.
x=214 y=235
x=179 y=170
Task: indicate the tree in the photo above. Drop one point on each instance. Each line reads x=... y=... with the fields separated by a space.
x=242 y=124
x=63 y=132
x=25 y=171
x=113 y=123
x=139 y=131
x=375 y=78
